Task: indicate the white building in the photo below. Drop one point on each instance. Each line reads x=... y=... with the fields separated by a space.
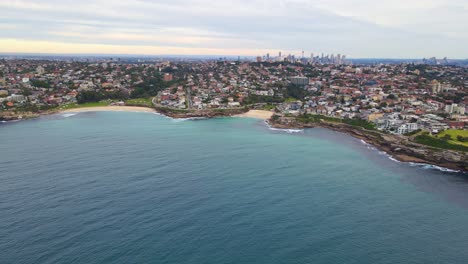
x=407 y=128
x=455 y=109
x=16 y=98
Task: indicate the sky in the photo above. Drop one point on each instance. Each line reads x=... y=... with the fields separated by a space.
x=357 y=28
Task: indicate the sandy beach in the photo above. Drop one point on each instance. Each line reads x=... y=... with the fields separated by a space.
x=110 y=108
x=261 y=114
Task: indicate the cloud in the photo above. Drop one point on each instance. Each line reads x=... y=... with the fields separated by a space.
x=360 y=28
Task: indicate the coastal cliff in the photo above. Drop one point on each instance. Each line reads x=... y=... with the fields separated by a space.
x=400 y=147
x=11 y=115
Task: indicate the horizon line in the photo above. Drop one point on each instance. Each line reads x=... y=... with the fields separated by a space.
x=195 y=55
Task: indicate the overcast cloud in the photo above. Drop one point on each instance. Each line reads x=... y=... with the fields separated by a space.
x=359 y=28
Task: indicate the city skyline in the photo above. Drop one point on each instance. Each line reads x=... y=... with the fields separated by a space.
x=361 y=29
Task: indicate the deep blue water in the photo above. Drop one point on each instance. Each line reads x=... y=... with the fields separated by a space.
x=140 y=188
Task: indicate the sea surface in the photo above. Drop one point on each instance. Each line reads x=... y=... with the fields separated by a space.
x=115 y=187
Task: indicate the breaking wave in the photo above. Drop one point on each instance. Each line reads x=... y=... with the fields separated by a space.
x=421 y=165
x=431 y=167
x=289 y=131
x=69 y=114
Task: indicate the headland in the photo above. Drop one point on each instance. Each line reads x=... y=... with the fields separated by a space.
x=402 y=148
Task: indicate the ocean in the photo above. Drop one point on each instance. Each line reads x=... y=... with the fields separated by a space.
x=122 y=187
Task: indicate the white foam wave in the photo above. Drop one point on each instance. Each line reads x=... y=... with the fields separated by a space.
x=289 y=131
x=369 y=146
x=69 y=114
x=12 y=121
x=383 y=153
x=414 y=164
x=179 y=119
x=431 y=167
x=186 y=119
x=393 y=159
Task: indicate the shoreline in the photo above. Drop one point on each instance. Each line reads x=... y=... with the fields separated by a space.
x=110 y=109
x=259 y=114
x=398 y=147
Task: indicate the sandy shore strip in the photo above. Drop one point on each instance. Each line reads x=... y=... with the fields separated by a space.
x=260 y=114
x=110 y=108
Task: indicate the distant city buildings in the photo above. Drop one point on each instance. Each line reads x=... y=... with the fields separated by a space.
x=291 y=58
x=435 y=61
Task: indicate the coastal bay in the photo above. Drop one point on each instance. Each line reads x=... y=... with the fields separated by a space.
x=157 y=184
x=397 y=146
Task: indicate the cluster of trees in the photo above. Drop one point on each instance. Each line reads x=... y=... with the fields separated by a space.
x=96 y=96
x=457 y=97
x=39 y=83
x=255 y=99
x=294 y=91
x=150 y=86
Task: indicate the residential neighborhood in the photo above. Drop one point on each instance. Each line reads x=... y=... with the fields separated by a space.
x=397 y=98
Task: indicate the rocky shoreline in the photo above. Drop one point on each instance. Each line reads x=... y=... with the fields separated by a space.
x=14 y=116
x=399 y=147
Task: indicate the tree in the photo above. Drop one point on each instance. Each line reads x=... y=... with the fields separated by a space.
x=39 y=83
x=89 y=96
x=295 y=92
x=150 y=86
x=26 y=91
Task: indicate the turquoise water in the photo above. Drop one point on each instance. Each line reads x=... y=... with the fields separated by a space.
x=140 y=188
